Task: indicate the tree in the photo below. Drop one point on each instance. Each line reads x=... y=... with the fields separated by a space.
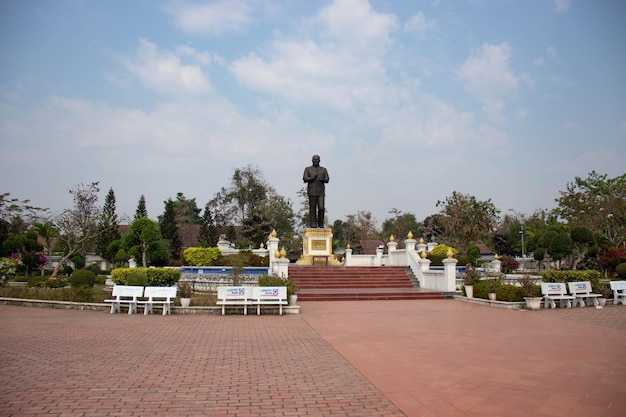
x=582 y=240
x=248 y=191
x=186 y=210
x=597 y=203
x=78 y=226
x=46 y=232
x=208 y=235
x=107 y=226
x=141 y=208
x=359 y=227
x=468 y=219
x=400 y=225
x=17 y=216
x=169 y=229
x=144 y=234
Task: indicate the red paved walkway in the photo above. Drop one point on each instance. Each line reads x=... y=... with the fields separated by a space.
x=413 y=358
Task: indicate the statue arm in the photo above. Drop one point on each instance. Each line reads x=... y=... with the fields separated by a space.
x=325 y=178
x=307 y=177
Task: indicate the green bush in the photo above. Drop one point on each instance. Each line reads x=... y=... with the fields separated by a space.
x=273 y=281
x=243 y=258
x=572 y=276
x=158 y=277
x=82 y=278
x=46 y=282
x=201 y=256
x=509 y=293
x=620 y=270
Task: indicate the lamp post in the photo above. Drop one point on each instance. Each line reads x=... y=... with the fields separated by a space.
x=521 y=232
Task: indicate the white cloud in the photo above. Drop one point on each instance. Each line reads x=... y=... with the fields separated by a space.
x=487 y=72
x=419 y=23
x=214 y=18
x=342 y=70
x=561 y=5
x=487 y=75
x=164 y=71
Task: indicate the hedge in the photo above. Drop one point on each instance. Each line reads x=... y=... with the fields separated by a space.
x=201 y=256
x=157 y=277
x=572 y=276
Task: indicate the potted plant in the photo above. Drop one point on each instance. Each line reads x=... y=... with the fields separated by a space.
x=532 y=292
x=184 y=292
x=492 y=285
x=292 y=292
x=606 y=292
x=470 y=278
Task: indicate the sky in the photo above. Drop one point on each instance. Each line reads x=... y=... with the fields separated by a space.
x=404 y=101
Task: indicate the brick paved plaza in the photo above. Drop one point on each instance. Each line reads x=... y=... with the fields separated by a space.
x=402 y=358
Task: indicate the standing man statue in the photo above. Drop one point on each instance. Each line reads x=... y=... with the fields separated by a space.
x=316 y=177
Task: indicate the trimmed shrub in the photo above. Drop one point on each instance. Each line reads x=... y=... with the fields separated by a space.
x=273 y=281
x=201 y=256
x=620 y=270
x=82 y=278
x=158 y=277
x=243 y=258
x=510 y=293
x=572 y=276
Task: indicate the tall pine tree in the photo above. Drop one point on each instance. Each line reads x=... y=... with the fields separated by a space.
x=107 y=224
x=141 y=208
x=208 y=235
x=169 y=229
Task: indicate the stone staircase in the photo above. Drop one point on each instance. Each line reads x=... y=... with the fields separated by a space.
x=341 y=283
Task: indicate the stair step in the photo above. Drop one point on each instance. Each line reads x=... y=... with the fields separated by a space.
x=328 y=283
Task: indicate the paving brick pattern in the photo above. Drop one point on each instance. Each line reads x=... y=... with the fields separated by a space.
x=433 y=358
x=85 y=363
x=448 y=359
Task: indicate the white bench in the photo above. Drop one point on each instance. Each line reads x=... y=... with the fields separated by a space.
x=272 y=296
x=555 y=291
x=619 y=292
x=234 y=296
x=582 y=291
x=125 y=294
x=161 y=296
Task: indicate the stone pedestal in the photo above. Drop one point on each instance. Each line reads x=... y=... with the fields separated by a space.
x=317 y=245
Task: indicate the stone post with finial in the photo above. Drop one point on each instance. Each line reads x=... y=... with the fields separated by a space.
x=348 y=261
x=449 y=272
x=409 y=245
x=391 y=247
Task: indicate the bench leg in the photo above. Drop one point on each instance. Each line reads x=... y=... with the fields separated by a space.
x=147 y=309
x=132 y=308
x=223 y=309
x=166 y=309
x=115 y=307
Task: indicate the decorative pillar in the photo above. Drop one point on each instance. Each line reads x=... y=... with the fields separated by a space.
x=379 y=256
x=449 y=272
x=424 y=262
x=272 y=248
x=391 y=247
x=496 y=264
x=409 y=245
x=421 y=247
x=348 y=255
x=282 y=264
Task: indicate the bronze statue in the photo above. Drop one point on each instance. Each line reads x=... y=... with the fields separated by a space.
x=316 y=177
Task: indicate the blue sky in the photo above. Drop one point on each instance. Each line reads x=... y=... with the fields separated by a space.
x=405 y=101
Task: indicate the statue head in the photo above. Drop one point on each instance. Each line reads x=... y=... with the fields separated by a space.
x=316 y=160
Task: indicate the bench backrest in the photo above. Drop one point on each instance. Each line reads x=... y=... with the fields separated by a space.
x=269 y=293
x=579 y=287
x=618 y=285
x=553 y=288
x=234 y=293
x=160 y=292
x=133 y=291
